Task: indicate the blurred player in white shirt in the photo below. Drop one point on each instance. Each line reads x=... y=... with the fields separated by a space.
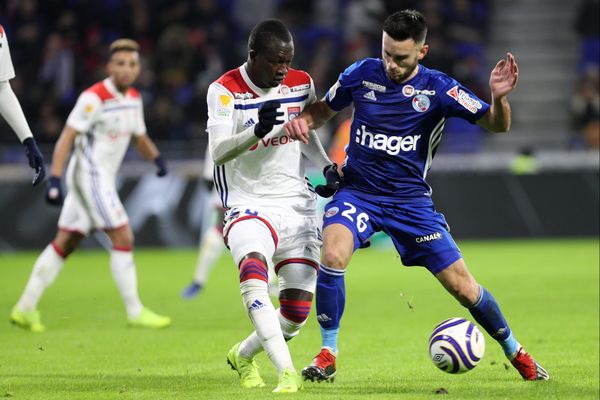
x=211 y=243
x=11 y=111
x=271 y=206
x=98 y=130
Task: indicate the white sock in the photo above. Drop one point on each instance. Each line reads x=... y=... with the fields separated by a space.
x=252 y=345
x=211 y=248
x=266 y=323
x=123 y=271
x=46 y=268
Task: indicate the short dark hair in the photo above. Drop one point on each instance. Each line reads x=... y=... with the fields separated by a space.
x=406 y=24
x=267 y=31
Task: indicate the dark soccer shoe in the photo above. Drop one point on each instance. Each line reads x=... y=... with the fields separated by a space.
x=529 y=369
x=321 y=369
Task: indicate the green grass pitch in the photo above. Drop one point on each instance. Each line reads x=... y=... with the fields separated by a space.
x=547 y=289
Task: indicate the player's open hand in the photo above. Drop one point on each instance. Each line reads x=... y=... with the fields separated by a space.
x=36 y=160
x=504 y=76
x=297 y=129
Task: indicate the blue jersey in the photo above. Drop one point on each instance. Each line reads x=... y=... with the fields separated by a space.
x=397 y=127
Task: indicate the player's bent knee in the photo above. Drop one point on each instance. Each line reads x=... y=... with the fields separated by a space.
x=253 y=266
x=334 y=257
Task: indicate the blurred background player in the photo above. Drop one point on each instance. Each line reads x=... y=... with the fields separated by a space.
x=211 y=242
x=271 y=206
x=99 y=129
x=11 y=111
x=400 y=111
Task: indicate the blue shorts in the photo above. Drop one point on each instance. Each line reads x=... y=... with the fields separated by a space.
x=419 y=233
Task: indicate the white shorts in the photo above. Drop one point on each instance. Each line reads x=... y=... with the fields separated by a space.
x=296 y=237
x=92 y=205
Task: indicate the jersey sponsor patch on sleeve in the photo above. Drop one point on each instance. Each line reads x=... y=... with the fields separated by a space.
x=224 y=106
x=464 y=99
x=88 y=109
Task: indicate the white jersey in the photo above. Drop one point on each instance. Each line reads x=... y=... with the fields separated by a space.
x=105 y=119
x=271 y=174
x=7 y=70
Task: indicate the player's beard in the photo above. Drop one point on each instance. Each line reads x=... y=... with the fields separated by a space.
x=403 y=76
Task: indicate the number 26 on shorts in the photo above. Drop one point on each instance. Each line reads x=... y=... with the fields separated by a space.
x=361 y=219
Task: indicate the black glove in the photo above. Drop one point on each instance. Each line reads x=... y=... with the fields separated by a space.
x=36 y=160
x=267 y=118
x=161 y=166
x=54 y=193
x=333 y=181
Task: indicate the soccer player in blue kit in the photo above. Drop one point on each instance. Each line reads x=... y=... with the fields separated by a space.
x=400 y=111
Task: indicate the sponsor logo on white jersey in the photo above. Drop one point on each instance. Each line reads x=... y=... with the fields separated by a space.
x=273 y=142
x=224 y=106
x=299 y=88
x=374 y=86
x=464 y=99
x=283 y=89
x=243 y=96
x=392 y=145
x=429 y=238
x=249 y=123
x=370 y=96
x=421 y=103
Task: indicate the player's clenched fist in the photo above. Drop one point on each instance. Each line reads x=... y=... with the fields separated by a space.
x=54 y=194
x=267 y=118
x=297 y=129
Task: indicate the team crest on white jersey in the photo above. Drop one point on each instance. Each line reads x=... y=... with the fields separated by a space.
x=293 y=112
x=421 y=103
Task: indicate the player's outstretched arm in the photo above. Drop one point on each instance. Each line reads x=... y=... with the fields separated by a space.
x=11 y=111
x=503 y=80
x=147 y=149
x=314 y=116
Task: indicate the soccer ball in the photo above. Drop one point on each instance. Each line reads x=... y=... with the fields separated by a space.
x=456 y=346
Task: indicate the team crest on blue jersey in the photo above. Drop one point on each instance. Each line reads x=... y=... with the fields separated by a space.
x=331 y=212
x=421 y=103
x=293 y=112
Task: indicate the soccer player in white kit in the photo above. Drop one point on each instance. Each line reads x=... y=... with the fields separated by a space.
x=211 y=243
x=271 y=206
x=11 y=111
x=99 y=129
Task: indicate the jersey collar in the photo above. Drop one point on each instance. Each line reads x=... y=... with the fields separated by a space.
x=112 y=89
x=256 y=89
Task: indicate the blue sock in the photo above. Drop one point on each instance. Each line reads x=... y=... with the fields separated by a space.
x=487 y=313
x=510 y=346
x=330 y=299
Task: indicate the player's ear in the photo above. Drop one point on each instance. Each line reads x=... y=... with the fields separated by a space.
x=423 y=51
x=252 y=54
